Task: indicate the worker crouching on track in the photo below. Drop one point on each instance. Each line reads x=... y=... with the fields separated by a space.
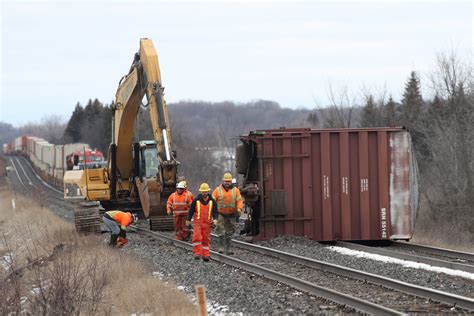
x=178 y=204
x=204 y=210
x=117 y=222
x=230 y=206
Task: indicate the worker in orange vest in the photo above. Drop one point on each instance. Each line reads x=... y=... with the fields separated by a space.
x=117 y=222
x=204 y=210
x=230 y=204
x=178 y=204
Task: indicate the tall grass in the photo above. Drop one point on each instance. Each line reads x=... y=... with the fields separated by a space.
x=49 y=269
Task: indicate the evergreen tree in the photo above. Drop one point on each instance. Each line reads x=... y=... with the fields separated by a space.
x=436 y=111
x=97 y=124
x=390 y=113
x=412 y=102
x=72 y=134
x=313 y=119
x=369 y=116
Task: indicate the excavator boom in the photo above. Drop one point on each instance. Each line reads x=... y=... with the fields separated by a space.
x=140 y=176
x=143 y=79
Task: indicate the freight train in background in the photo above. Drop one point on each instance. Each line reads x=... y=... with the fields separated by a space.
x=323 y=184
x=52 y=161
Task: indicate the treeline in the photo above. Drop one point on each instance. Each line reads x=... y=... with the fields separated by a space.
x=90 y=124
x=442 y=131
x=50 y=128
x=199 y=124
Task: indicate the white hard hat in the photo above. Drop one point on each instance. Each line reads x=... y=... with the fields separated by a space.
x=181 y=185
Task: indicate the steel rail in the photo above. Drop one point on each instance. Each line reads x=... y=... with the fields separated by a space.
x=53 y=195
x=16 y=172
x=337 y=297
x=407 y=256
x=23 y=169
x=40 y=179
x=435 y=250
x=435 y=295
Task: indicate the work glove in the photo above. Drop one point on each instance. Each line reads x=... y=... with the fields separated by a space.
x=214 y=224
x=188 y=223
x=238 y=213
x=121 y=242
x=168 y=212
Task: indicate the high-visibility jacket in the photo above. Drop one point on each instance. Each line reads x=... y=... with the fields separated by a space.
x=124 y=219
x=203 y=209
x=179 y=203
x=228 y=201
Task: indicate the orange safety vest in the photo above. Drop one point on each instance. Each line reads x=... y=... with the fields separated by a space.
x=122 y=218
x=204 y=208
x=179 y=203
x=227 y=201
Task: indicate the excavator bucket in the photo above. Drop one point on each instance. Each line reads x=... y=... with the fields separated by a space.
x=144 y=195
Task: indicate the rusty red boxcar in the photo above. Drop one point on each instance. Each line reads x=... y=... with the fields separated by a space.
x=329 y=184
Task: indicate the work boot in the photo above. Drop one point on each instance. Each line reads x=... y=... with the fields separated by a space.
x=228 y=250
x=197 y=257
x=205 y=258
x=113 y=240
x=221 y=244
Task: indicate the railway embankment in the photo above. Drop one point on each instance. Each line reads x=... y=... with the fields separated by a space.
x=47 y=268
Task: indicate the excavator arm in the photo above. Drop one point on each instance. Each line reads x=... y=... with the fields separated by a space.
x=143 y=79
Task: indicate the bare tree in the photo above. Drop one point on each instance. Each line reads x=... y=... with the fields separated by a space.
x=340 y=113
x=50 y=128
x=448 y=175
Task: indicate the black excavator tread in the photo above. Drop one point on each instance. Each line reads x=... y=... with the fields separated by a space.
x=161 y=223
x=87 y=219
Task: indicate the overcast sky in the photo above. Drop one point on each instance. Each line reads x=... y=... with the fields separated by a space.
x=55 y=54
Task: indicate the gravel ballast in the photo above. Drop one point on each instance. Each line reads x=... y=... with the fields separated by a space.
x=312 y=249
x=236 y=291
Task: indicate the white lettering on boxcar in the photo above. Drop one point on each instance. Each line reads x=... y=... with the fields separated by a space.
x=268 y=170
x=325 y=187
x=383 y=220
x=345 y=185
x=364 y=185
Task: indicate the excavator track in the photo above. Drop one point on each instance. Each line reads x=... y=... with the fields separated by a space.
x=161 y=223
x=87 y=218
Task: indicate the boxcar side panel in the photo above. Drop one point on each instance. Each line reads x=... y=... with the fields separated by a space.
x=337 y=184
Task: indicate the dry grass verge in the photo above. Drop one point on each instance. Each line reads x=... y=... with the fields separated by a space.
x=444 y=232
x=46 y=268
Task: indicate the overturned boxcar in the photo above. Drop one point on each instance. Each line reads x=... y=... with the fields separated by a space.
x=329 y=184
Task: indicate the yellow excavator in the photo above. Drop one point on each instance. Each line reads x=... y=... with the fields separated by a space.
x=140 y=176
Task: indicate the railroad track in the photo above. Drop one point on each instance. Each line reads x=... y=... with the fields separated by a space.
x=415 y=256
x=29 y=182
x=428 y=293
x=358 y=304
x=446 y=254
x=302 y=283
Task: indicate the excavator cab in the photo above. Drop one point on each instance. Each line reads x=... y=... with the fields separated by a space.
x=146 y=159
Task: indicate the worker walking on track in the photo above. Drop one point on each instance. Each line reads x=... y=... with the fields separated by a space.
x=204 y=210
x=178 y=204
x=117 y=222
x=230 y=204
